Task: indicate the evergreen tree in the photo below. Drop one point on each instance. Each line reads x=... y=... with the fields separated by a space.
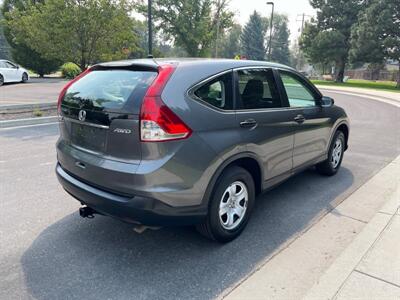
x=253 y=37
x=280 y=40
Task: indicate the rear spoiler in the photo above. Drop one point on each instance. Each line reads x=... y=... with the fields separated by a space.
x=137 y=65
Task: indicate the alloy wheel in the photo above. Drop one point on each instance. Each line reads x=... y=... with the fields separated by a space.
x=233 y=205
x=337 y=152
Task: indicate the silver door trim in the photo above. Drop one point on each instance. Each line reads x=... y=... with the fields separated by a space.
x=84 y=123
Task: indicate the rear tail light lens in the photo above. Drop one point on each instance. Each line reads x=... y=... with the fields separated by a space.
x=65 y=88
x=157 y=121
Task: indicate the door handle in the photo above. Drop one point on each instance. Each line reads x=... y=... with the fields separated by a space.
x=299 y=119
x=80 y=165
x=248 y=123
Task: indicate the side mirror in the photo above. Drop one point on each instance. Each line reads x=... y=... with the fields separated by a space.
x=326 y=101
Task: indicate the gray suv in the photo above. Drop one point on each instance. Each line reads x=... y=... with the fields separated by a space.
x=191 y=141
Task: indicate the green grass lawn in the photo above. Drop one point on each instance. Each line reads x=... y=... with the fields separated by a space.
x=377 y=85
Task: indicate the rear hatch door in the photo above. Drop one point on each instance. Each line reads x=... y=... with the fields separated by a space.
x=100 y=133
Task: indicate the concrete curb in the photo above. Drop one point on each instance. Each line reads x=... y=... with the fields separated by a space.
x=28 y=121
x=15 y=108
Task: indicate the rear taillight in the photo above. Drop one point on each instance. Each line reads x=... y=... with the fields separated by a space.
x=157 y=121
x=65 y=88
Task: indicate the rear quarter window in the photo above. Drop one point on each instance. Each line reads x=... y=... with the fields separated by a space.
x=109 y=90
x=217 y=92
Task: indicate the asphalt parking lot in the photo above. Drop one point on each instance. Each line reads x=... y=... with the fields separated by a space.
x=49 y=252
x=36 y=90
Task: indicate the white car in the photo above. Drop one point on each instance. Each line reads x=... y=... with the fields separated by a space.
x=11 y=72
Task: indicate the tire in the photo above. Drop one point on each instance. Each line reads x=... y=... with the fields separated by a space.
x=330 y=166
x=1 y=80
x=224 y=227
x=24 y=78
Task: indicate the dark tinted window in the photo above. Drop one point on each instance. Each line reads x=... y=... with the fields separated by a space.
x=257 y=89
x=112 y=90
x=217 y=92
x=299 y=95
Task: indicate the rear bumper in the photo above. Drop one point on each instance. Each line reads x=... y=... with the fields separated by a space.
x=139 y=210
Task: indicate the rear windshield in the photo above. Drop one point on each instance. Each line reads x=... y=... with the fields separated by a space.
x=109 y=90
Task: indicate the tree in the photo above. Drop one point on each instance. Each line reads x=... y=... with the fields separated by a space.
x=192 y=24
x=4 y=47
x=376 y=36
x=297 y=57
x=323 y=47
x=335 y=18
x=19 y=50
x=80 y=31
x=280 y=40
x=230 y=45
x=253 y=37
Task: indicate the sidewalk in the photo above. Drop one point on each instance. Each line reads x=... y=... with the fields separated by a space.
x=327 y=262
x=370 y=267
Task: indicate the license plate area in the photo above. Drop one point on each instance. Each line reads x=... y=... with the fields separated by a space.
x=89 y=137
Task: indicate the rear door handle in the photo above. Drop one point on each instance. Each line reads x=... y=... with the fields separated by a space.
x=299 y=119
x=248 y=123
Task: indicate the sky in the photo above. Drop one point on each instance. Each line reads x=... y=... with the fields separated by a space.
x=292 y=8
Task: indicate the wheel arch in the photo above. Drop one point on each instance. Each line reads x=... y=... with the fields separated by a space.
x=246 y=160
x=343 y=127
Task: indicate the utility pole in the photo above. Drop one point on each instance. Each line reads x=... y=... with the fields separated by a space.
x=303 y=20
x=270 y=30
x=150 y=28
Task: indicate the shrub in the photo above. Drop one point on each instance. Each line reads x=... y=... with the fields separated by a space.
x=37 y=112
x=70 y=70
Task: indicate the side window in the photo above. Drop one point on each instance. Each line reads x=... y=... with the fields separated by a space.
x=10 y=65
x=257 y=89
x=217 y=92
x=2 y=64
x=297 y=92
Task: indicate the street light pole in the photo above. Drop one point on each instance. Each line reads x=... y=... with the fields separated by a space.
x=150 y=28
x=270 y=30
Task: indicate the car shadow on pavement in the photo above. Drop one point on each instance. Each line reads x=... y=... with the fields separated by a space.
x=104 y=258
